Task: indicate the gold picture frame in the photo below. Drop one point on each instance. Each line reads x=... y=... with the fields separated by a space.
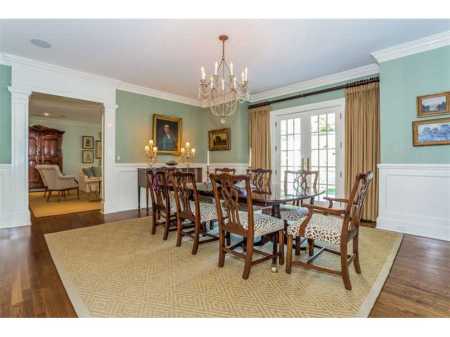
x=219 y=139
x=431 y=132
x=98 y=149
x=167 y=134
x=87 y=142
x=87 y=156
x=433 y=105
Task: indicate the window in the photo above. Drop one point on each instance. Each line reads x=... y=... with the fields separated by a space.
x=314 y=134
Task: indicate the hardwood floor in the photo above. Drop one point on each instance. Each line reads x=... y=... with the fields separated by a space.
x=418 y=286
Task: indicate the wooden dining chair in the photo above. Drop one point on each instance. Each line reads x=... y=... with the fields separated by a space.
x=246 y=224
x=192 y=215
x=260 y=180
x=163 y=202
x=336 y=227
x=298 y=182
x=224 y=170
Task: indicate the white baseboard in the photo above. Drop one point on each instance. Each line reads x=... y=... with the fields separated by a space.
x=415 y=199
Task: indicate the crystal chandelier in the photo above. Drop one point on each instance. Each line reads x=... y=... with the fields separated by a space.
x=222 y=92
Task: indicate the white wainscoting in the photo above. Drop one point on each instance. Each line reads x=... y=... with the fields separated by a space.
x=415 y=199
x=125 y=177
x=11 y=215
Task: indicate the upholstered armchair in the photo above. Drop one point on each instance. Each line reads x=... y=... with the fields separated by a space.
x=55 y=181
x=89 y=183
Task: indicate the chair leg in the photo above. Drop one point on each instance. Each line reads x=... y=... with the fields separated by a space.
x=49 y=194
x=154 y=218
x=166 y=227
x=78 y=193
x=228 y=238
x=281 y=247
x=290 y=240
x=356 y=254
x=310 y=247
x=197 y=230
x=344 y=267
x=297 y=245
x=179 y=232
x=221 y=248
x=275 y=247
x=248 y=260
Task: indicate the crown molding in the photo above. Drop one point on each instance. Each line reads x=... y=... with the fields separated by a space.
x=63 y=122
x=370 y=69
x=413 y=47
x=137 y=89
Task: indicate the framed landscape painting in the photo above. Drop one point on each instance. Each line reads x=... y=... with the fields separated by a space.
x=431 y=105
x=167 y=134
x=219 y=140
x=431 y=132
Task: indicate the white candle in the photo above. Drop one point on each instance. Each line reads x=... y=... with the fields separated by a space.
x=246 y=74
x=216 y=68
x=242 y=77
x=223 y=84
x=231 y=68
x=202 y=69
x=212 y=82
x=234 y=82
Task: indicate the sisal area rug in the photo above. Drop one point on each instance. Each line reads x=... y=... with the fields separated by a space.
x=121 y=270
x=70 y=204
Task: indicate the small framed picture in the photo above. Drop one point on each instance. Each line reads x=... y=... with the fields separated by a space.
x=87 y=156
x=98 y=149
x=431 y=132
x=219 y=140
x=87 y=142
x=432 y=105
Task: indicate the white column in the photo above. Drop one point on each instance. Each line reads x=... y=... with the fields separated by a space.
x=19 y=156
x=110 y=194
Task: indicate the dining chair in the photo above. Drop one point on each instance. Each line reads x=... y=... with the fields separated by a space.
x=297 y=182
x=163 y=202
x=334 y=226
x=246 y=224
x=192 y=215
x=260 y=180
x=225 y=170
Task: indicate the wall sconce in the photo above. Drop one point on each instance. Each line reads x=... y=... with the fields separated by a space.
x=187 y=153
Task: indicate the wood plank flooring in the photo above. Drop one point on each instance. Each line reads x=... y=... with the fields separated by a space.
x=418 y=286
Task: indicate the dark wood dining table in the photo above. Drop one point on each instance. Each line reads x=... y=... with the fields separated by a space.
x=273 y=198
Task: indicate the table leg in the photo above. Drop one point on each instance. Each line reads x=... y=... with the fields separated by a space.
x=139 y=198
x=146 y=199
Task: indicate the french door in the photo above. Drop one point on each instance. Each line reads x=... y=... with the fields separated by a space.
x=311 y=133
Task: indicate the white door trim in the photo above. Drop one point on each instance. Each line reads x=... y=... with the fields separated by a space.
x=339 y=105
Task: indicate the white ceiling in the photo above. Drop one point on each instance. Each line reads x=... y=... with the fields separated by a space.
x=167 y=54
x=64 y=108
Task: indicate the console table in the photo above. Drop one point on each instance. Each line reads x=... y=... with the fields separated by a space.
x=143 y=182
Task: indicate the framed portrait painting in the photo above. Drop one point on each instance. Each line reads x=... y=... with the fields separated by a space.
x=219 y=140
x=432 y=105
x=167 y=134
x=87 y=156
x=431 y=132
x=87 y=142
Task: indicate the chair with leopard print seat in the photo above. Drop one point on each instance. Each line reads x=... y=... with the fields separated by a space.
x=246 y=224
x=192 y=215
x=335 y=227
x=163 y=202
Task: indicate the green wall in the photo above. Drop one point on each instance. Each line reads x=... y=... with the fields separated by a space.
x=402 y=80
x=238 y=123
x=5 y=115
x=71 y=146
x=134 y=126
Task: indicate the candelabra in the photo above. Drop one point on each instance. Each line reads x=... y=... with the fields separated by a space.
x=187 y=154
x=151 y=152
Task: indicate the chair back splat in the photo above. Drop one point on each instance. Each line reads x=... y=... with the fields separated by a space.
x=358 y=197
x=260 y=180
x=224 y=170
x=185 y=190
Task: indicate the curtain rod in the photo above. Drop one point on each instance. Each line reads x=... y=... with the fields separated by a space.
x=317 y=92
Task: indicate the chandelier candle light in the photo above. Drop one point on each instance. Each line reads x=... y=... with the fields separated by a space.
x=222 y=92
x=187 y=153
x=151 y=152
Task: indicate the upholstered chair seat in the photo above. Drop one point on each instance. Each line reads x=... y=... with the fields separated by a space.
x=292 y=213
x=263 y=223
x=207 y=211
x=321 y=227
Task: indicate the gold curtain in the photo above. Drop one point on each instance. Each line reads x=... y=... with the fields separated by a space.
x=260 y=137
x=362 y=141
